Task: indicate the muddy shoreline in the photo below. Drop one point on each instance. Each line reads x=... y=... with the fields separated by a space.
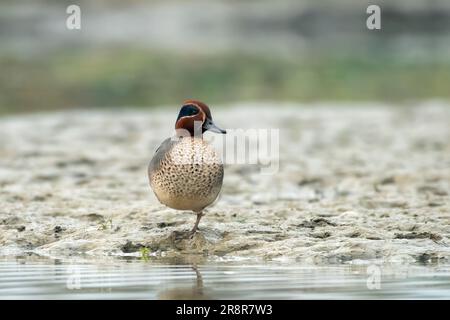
x=355 y=183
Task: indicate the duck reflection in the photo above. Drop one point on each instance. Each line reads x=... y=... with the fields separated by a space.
x=195 y=292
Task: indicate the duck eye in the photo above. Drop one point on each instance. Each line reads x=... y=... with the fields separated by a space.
x=188 y=110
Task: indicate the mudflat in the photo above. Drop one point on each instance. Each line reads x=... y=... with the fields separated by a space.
x=355 y=182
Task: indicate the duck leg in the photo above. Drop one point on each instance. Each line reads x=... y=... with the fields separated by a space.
x=194 y=229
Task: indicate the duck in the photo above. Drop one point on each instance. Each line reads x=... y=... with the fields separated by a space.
x=186 y=173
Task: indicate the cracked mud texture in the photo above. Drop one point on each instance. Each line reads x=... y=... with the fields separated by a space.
x=355 y=182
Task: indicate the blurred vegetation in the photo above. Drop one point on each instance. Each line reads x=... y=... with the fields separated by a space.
x=148 y=53
x=122 y=77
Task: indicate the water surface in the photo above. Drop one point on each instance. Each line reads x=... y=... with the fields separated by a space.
x=120 y=279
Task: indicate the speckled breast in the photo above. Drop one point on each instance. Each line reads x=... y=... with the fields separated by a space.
x=186 y=174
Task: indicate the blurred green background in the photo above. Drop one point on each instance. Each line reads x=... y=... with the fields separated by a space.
x=146 y=53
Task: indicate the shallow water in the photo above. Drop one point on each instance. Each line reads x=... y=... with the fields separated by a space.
x=134 y=279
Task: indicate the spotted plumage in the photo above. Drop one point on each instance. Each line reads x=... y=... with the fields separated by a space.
x=186 y=173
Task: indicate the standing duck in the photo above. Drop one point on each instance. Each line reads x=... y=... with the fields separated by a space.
x=186 y=173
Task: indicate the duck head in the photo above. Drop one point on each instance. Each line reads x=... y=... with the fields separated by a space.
x=194 y=113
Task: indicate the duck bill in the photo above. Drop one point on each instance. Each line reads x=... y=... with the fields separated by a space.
x=210 y=125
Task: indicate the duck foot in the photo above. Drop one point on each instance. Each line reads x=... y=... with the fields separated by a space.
x=183 y=235
x=195 y=228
